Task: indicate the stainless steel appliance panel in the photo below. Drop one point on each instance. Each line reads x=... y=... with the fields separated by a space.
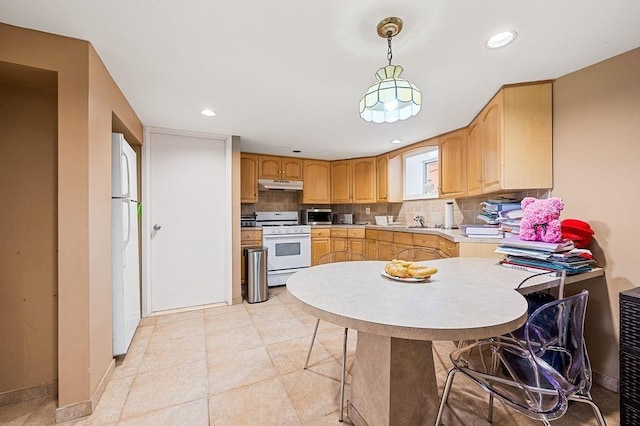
x=315 y=216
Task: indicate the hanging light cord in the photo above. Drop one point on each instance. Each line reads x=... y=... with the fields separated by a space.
x=389 y=53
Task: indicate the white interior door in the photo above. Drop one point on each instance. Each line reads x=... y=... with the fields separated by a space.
x=187 y=214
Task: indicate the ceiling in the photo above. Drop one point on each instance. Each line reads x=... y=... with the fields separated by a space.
x=288 y=75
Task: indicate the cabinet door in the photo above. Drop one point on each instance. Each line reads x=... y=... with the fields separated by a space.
x=248 y=178
x=382 y=176
x=291 y=168
x=448 y=248
x=475 y=135
x=339 y=244
x=341 y=182
x=363 y=180
x=492 y=145
x=371 y=249
x=357 y=245
x=319 y=247
x=316 y=186
x=269 y=167
x=385 y=250
x=397 y=248
x=453 y=164
x=527 y=139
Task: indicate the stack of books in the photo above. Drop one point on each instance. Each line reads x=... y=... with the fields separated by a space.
x=481 y=231
x=509 y=221
x=493 y=208
x=538 y=256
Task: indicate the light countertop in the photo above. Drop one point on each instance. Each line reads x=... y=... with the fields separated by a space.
x=459 y=302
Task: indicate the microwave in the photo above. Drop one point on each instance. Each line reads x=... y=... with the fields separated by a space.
x=315 y=216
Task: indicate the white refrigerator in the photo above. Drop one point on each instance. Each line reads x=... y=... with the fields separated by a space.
x=124 y=244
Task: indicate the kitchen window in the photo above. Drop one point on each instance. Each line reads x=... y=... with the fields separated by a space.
x=421 y=174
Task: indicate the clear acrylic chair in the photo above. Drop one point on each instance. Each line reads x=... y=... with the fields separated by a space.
x=331 y=257
x=418 y=254
x=538 y=378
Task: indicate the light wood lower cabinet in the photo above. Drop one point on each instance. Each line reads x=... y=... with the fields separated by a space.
x=449 y=248
x=348 y=239
x=320 y=243
x=479 y=250
x=248 y=238
x=371 y=244
x=385 y=245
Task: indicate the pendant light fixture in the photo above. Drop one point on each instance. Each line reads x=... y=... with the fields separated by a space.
x=392 y=98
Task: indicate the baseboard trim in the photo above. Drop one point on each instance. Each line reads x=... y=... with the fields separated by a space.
x=27 y=394
x=605 y=381
x=85 y=408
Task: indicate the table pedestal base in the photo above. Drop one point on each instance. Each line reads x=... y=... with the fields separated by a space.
x=393 y=382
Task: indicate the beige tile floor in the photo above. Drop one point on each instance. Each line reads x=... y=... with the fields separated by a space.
x=242 y=365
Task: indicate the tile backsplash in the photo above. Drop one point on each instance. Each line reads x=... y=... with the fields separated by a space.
x=465 y=210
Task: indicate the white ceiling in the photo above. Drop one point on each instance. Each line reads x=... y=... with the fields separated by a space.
x=289 y=74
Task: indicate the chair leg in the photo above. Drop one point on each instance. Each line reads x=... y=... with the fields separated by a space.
x=344 y=369
x=445 y=395
x=490 y=414
x=594 y=407
x=313 y=338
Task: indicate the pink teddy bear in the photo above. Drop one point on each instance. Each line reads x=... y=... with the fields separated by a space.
x=540 y=221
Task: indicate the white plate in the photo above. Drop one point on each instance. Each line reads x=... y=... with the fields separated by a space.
x=406 y=280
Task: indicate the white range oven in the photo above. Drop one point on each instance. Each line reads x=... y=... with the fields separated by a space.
x=288 y=245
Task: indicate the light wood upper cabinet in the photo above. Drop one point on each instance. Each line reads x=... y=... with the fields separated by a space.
x=353 y=181
x=475 y=135
x=248 y=178
x=382 y=172
x=284 y=168
x=363 y=180
x=291 y=168
x=509 y=144
x=492 y=123
x=316 y=186
x=453 y=164
x=341 y=181
x=388 y=179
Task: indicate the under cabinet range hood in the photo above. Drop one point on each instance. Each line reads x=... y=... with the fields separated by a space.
x=283 y=185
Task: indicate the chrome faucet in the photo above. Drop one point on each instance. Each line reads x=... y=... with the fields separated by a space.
x=420 y=219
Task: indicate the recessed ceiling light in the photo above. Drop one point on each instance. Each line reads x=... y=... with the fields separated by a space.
x=396 y=141
x=207 y=112
x=501 y=39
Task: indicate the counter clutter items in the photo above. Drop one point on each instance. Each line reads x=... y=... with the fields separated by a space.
x=538 y=256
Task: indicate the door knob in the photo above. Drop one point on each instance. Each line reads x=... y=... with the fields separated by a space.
x=156 y=227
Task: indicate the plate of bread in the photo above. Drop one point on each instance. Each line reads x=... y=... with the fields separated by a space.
x=407 y=271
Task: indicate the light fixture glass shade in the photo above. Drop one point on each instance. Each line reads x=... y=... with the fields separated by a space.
x=390 y=99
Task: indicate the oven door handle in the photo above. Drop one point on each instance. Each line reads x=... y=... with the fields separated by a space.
x=273 y=236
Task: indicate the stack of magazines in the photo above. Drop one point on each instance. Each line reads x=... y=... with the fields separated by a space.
x=538 y=256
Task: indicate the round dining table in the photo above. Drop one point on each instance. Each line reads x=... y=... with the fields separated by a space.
x=393 y=375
